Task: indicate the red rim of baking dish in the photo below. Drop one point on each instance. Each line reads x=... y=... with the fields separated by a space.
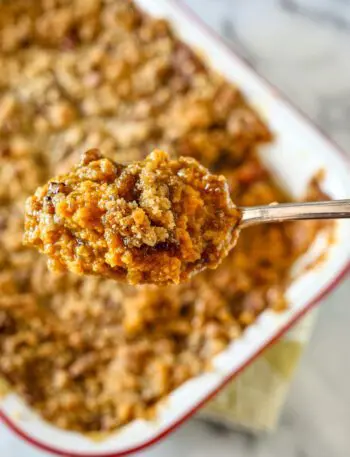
x=323 y=293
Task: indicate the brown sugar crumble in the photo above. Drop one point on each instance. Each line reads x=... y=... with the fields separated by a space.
x=88 y=353
x=155 y=221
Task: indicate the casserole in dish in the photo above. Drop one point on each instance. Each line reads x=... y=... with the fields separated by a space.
x=296 y=155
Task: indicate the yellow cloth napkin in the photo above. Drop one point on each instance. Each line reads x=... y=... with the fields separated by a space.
x=255 y=398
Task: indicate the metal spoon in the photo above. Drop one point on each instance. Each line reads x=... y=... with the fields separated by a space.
x=334 y=209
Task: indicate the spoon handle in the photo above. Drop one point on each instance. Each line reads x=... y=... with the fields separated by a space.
x=333 y=209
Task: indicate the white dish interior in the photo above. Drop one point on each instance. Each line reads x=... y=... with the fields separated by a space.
x=296 y=155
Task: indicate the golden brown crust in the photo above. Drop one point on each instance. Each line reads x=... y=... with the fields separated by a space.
x=156 y=221
x=87 y=353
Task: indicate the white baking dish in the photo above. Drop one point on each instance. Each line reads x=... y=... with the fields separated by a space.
x=297 y=154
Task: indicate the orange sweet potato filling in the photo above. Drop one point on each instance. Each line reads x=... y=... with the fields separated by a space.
x=155 y=221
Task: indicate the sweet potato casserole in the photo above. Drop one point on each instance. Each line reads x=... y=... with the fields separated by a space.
x=155 y=221
x=87 y=353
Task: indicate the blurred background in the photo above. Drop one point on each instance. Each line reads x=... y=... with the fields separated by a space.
x=303 y=48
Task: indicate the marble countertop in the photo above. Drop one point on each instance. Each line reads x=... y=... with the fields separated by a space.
x=303 y=47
